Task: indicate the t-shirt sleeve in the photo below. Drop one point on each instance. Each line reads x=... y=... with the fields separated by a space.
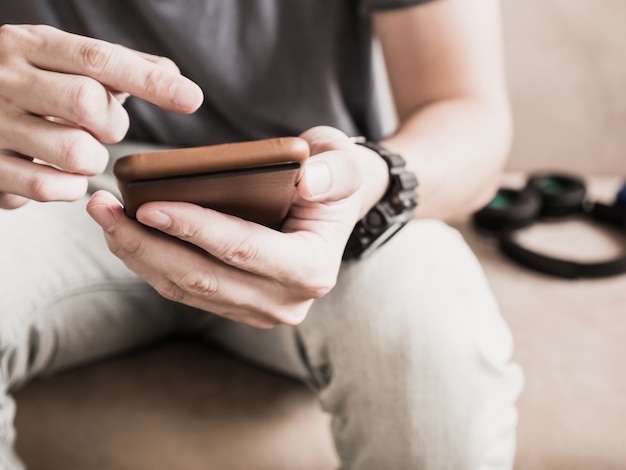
x=369 y=6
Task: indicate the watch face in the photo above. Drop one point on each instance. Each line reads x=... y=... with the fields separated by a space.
x=375 y=221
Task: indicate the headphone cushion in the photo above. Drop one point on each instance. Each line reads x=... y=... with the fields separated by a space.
x=510 y=209
x=561 y=195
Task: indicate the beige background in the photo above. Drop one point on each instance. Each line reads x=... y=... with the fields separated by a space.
x=566 y=62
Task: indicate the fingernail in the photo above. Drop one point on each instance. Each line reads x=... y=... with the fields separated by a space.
x=103 y=217
x=156 y=219
x=185 y=94
x=317 y=177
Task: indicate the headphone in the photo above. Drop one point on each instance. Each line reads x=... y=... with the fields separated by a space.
x=551 y=196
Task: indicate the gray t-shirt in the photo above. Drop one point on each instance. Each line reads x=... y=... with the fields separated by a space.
x=267 y=67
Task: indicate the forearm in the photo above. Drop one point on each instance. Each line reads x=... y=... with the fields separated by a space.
x=445 y=66
x=457 y=148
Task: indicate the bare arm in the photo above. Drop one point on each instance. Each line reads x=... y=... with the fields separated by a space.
x=444 y=62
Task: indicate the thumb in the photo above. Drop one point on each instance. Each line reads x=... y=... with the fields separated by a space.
x=330 y=176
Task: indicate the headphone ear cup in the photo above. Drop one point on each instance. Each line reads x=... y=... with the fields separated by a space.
x=554 y=196
x=561 y=195
x=510 y=209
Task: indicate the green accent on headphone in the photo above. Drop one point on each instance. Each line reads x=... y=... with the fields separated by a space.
x=500 y=201
x=551 y=186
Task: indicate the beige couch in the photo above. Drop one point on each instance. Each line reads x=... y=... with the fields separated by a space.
x=186 y=406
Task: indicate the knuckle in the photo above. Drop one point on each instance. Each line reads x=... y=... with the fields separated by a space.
x=189 y=231
x=314 y=289
x=240 y=253
x=127 y=249
x=314 y=283
x=39 y=187
x=155 y=82
x=94 y=56
x=79 y=154
x=89 y=102
x=135 y=249
x=72 y=152
x=12 y=35
x=199 y=284
x=7 y=32
x=324 y=138
x=170 y=291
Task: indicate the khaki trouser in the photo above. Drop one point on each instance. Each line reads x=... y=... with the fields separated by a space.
x=408 y=353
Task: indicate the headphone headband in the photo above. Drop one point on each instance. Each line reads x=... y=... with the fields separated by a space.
x=550 y=196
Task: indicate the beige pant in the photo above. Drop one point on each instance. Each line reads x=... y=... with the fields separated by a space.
x=408 y=353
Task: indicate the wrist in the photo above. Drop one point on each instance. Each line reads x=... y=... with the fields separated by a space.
x=393 y=209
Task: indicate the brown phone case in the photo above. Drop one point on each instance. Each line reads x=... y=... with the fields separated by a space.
x=253 y=180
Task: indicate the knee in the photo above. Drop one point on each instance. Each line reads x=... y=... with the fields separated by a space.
x=424 y=335
x=424 y=294
x=425 y=309
x=448 y=389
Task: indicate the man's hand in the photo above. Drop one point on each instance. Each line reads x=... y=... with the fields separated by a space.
x=242 y=270
x=61 y=96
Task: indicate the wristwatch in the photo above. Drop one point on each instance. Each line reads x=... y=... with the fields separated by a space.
x=391 y=213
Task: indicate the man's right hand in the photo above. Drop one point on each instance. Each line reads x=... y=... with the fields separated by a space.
x=61 y=97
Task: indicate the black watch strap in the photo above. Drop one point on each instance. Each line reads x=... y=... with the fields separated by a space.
x=391 y=213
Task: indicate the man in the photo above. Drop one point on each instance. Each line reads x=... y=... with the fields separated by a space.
x=406 y=348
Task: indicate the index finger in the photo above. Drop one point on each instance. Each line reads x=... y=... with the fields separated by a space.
x=116 y=67
x=259 y=250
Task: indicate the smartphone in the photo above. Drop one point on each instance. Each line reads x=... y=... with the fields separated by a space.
x=253 y=180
